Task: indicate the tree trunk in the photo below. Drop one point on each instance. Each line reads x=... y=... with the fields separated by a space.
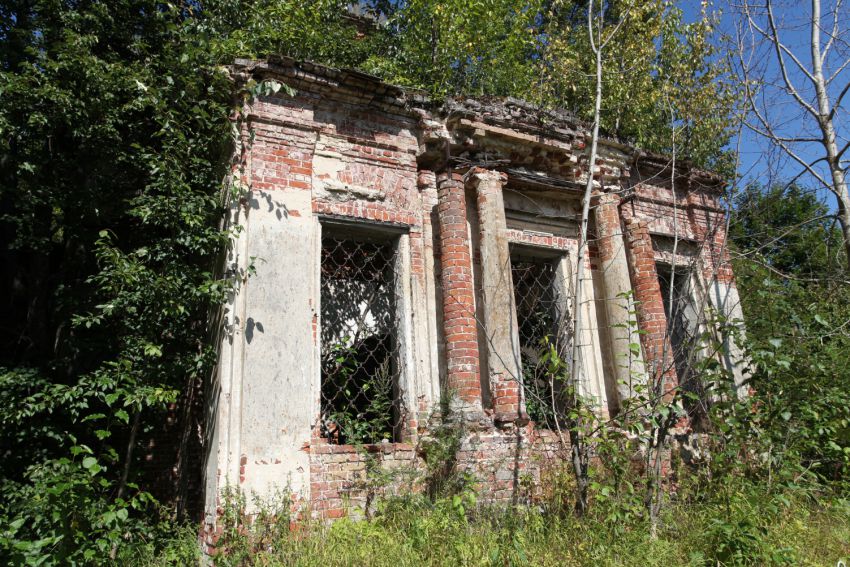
x=578 y=451
x=827 y=126
x=844 y=221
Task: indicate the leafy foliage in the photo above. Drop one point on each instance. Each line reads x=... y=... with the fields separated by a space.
x=115 y=137
x=795 y=299
x=463 y=47
x=363 y=423
x=661 y=73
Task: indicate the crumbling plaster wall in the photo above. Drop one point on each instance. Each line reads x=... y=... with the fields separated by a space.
x=693 y=220
x=349 y=148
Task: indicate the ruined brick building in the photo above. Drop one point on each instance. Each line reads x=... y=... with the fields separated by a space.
x=408 y=253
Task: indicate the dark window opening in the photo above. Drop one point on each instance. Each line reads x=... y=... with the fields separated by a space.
x=683 y=330
x=540 y=322
x=360 y=360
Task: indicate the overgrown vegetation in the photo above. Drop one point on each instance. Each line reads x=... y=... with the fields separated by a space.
x=115 y=137
x=114 y=144
x=739 y=523
x=796 y=299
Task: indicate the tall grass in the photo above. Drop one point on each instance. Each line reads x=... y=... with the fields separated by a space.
x=741 y=524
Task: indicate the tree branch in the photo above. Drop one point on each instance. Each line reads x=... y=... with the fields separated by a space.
x=768 y=129
x=793 y=156
x=837 y=72
x=837 y=102
x=834 y=32
x=779 y=47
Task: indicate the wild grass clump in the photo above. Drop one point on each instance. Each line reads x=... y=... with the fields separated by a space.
x=742 y=523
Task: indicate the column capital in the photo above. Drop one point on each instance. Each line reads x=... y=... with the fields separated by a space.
x=607 y=198
x=477 y=175
x=449 y=179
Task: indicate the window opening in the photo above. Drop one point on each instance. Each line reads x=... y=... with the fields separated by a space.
x=682 y=328
x=539 y=319
x=360 y=367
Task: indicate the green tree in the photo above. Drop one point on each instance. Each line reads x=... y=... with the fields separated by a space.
x=114 y=143
x=794 y=293
x=463 y=47
x=115 y=136
x=538 y=50
x=788 y=229
x=660 y=73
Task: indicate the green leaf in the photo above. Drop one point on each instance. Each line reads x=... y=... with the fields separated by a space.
x=153 y=350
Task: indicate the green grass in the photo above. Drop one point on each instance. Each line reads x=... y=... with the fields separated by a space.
x=743 y=527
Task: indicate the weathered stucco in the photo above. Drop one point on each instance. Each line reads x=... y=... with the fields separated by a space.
x=460 y=186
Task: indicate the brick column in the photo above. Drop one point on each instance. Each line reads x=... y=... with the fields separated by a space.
x=657 y=350
x=503 y=358
x=619 y=306
x=461 y=335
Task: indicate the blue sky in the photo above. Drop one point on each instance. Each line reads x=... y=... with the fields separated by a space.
x=759 y=160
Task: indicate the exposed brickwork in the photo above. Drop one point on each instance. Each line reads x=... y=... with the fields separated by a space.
x=340 y=482
x=460 y=326
x=365 y=211
x=348 y=147
x=650 y=307
x=542 y=240
x=506 y=466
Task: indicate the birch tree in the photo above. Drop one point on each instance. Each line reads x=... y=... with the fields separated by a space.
x=792 y=63
x=599 y=36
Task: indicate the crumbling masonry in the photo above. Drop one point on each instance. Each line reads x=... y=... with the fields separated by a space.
x=407 y=253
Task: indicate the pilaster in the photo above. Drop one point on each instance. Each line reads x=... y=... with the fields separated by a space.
x=503 y=356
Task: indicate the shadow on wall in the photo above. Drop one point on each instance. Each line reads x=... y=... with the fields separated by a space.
x=250 y=327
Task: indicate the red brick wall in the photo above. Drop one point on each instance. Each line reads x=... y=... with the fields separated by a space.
x=693 y=215
x=340 y=481
x=658 y=353
x=377 y=143
x=506 y=467
x=459 y=324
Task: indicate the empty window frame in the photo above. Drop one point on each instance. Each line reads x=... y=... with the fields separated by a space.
x=541 y=321
x=682 y=325
x=360 y=347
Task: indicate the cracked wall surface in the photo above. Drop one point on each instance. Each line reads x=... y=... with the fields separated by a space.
x=457 y=187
